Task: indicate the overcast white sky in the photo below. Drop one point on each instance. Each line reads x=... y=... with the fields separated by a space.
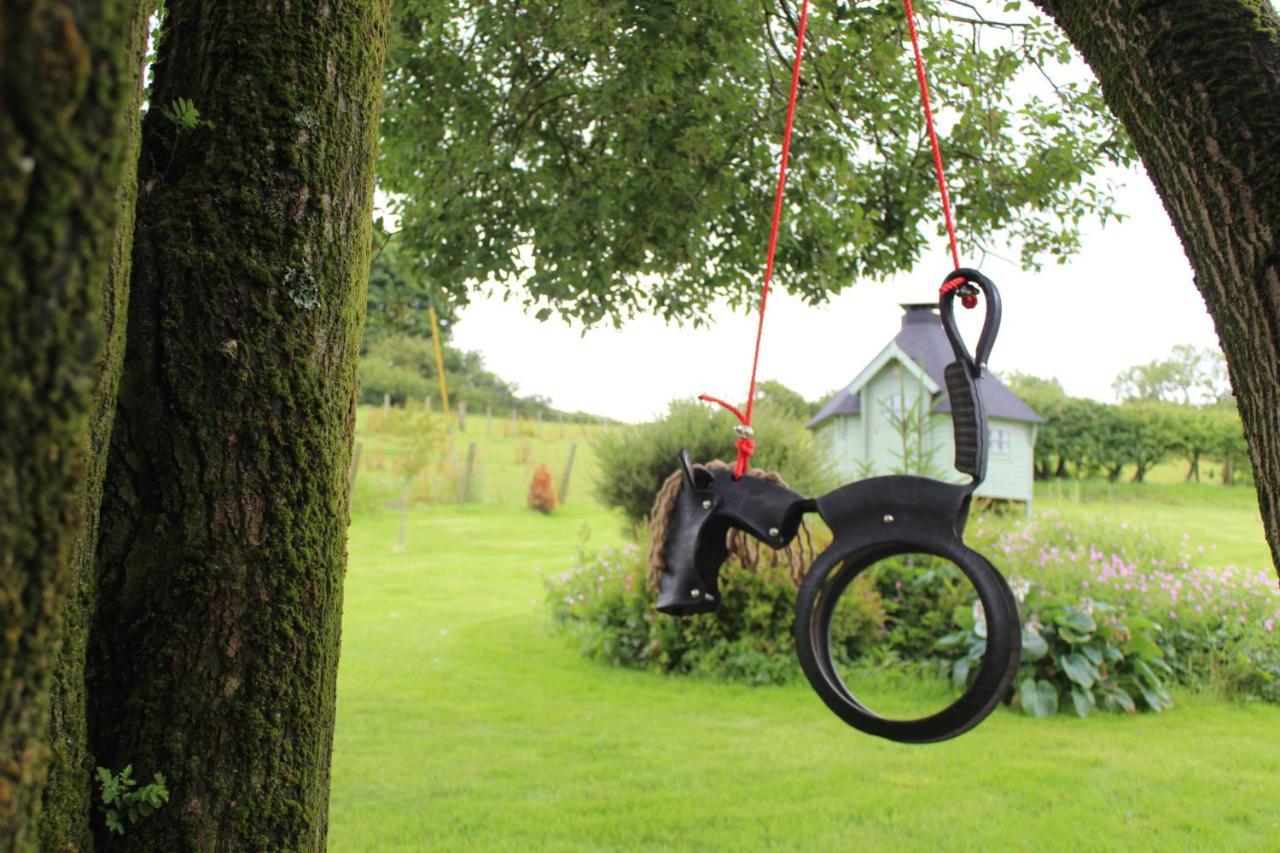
x=1127 y=298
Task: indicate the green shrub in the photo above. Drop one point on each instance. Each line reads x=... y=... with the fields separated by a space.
x=1212 y=624
x=920 y=596
x=637 y=459
x=604 y=603
x=1079 y=655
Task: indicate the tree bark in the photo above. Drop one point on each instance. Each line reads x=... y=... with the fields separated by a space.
x=65 y=78
x=68 y=793
x=1197 y=85
x=222 y=542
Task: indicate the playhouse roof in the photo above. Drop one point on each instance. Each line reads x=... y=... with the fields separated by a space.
x=923 y=341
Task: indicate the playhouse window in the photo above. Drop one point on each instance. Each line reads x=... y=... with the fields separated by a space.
x=893 y=406
x=1000 y=440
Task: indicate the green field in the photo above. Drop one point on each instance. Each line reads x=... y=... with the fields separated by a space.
x=466 y=722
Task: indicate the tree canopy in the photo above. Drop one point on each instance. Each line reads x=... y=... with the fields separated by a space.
x=606 y=159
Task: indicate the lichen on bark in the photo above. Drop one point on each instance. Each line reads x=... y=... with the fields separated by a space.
x=221 y=554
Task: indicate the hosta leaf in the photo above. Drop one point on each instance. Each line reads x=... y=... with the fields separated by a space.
x=1082 y=699
x=960 y=672
x=1048 y=697
x=1076 y=620
x=1140 y=644
x=1073 y=637
x=1078 y=669
x=1029 y=698
x=1093 y=651
x=1124 y=700
x=1034 y=646
x=1145 y=673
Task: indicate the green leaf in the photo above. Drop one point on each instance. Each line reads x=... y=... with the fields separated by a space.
x=1093 y=651
x=1082 y=699
x=1034 y=646
x=1076 y=620
x=1073 y=637
x=1048 y=697
x=960 y=672
x=1078 y=669
x=1038 y=698
x=1140 y=644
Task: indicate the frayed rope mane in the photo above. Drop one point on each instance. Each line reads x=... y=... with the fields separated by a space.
x=743 y=547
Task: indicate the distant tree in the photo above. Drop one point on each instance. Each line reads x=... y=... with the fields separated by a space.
x=782 y=400
x=1046 y=398
x=399 y=293
x=1189 y=375
x=1226 y=440
x=1144 y=435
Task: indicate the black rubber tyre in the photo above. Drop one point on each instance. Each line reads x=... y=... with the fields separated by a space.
x=832 y=573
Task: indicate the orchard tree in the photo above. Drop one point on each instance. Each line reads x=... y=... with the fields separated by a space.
x=1189 y=375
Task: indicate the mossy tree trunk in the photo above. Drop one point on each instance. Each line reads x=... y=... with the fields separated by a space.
x=65 y=80
x=1197 y=85
x=223 y=533
x=68 y=794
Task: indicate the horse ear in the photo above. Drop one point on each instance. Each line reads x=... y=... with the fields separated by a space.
x=686 y=467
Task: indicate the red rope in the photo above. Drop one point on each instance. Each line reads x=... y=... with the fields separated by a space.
x=746 y=444
x=933 y=133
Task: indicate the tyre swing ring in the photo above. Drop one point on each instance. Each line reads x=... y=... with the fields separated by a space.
x=831 y=575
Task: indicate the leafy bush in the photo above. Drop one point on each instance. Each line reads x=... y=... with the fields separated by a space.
x=1212 y=624
x=380 y=377
x=920 y=596
x=639 y=458
x=1111 y=616
x=1080 y=655
x=604 y=602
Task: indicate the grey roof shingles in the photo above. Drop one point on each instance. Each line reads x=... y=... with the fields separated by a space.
x=923 y=339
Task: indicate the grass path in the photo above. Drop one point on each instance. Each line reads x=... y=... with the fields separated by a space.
x=465 y=722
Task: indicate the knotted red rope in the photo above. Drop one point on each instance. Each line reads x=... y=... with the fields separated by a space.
x=746 y=444
x=968 y=295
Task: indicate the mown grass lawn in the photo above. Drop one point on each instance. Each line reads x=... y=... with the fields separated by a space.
x=466 y=722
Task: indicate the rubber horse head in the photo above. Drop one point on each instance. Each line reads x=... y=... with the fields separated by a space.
x=709 y=504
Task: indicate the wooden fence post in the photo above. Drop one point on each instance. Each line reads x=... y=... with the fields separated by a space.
x=404 y=516
x=462 y=416
x=466 y=474
x=568 y=469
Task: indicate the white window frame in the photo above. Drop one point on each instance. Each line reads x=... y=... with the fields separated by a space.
x=1001 y=440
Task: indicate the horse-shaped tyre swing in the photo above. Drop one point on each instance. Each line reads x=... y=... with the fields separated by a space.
x=871 y=520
